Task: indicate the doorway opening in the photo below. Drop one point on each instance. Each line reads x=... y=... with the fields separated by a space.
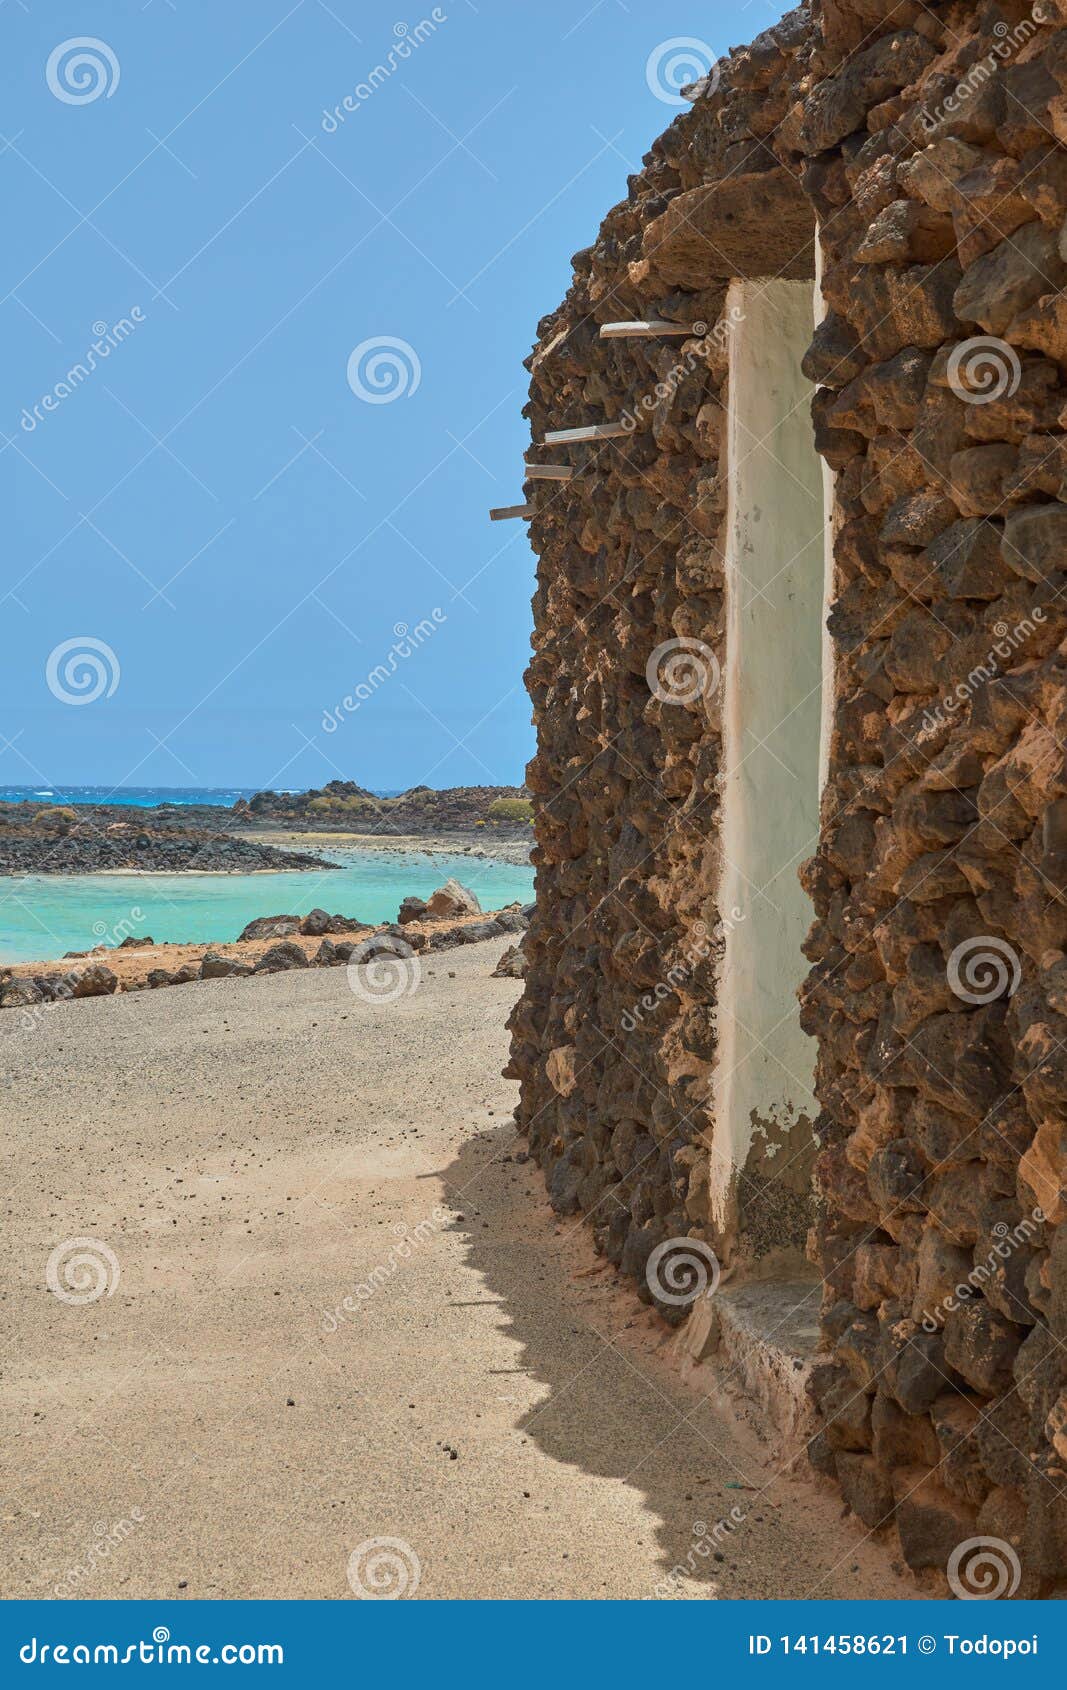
x=773 y=711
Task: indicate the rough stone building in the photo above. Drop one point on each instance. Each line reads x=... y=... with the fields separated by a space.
x=797 y=980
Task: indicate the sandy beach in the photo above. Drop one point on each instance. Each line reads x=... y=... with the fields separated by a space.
x=248 y=1155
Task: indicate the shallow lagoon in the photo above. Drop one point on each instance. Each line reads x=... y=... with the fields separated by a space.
x=42 y=916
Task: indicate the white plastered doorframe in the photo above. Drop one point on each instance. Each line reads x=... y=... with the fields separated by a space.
x=775 y=730
x=829 y=482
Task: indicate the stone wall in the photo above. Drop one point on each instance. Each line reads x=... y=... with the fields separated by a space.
x=926 y=142
x=615 y=1038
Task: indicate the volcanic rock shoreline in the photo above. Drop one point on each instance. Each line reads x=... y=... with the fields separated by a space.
x=93 y=846
x=35 y=838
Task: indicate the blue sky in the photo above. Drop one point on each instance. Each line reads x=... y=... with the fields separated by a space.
x=213 y=503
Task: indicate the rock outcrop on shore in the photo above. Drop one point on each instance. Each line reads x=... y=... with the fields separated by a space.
x=421 y=810
x=59 y=841
x=453 y=899
x=312 y=926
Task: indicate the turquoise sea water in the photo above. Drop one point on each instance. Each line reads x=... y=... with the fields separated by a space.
x=41 y=916
x=140 y=797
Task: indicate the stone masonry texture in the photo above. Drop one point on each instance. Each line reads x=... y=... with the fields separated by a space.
x=923 y=147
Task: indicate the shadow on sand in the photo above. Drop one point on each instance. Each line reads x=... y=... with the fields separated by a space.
x=611 y=1409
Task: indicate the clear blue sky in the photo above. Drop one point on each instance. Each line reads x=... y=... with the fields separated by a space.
x=213 y=502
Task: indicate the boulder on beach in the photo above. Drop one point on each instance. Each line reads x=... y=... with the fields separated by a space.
x=445 y=939
x=317 y=923
x=280 y=957
x=408 y=940
x=157 y=977
x=383 y=944
x=270 y=927
x=94 y=982
x=512 y=965
x=18 y=994
x=347 y=924
x=453 y=899
x=412 y=909
x=215 y=967
x=512 y=921
x=474 y=931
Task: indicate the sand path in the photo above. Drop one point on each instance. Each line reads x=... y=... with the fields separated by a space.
x=247 y=1149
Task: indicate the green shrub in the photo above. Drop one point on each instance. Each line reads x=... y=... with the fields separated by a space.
x=333 y=804
x=511 y=810
x=60 y=819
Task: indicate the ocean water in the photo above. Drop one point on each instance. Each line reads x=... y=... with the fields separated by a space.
x=41 y=916
x=143 y=797
x=146 y=797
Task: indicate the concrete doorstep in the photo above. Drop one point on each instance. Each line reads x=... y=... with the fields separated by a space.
x=759 y=1344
